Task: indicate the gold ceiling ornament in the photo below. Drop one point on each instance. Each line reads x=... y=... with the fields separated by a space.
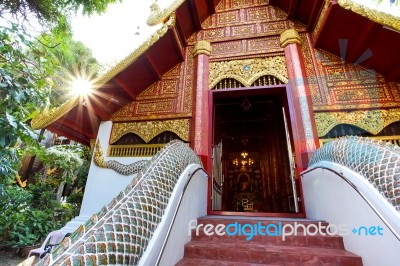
x=147 y=130
x=371 y=14
x=373 y=121
x=158 y=16
x=202 y=47
x=98 y=157
x=248 y=70
x=45 y=118
x=289 y=36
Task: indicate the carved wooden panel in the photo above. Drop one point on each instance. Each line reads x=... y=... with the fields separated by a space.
x=337 y=86
x=169 y=98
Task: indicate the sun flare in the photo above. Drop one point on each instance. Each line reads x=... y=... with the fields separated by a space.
x=81 y=87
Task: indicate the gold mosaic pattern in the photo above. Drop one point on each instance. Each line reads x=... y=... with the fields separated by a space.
x=121 y=231
x=345 y=86
x=147 y=130
x=249 y=70
x=372 y=121
x=377 y=161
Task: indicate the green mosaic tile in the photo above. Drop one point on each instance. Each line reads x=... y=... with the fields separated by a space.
x=377 y=161
x=121 y=231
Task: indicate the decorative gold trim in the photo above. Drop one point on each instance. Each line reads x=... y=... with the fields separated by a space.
x=371 y=14
x=147 y=130
x=248 y=70
x=289 y=36
x=19 y=181
x=372 y=121
x=98 y=156
x=321 y=18
x=202 y=47
x=158 y=16
x=127 y=61
x=46 y=118
x=140 y=150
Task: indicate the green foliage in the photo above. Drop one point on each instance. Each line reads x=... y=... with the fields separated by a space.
x=67 y=158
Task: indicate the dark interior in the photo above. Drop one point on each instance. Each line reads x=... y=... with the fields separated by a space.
x=255 y=161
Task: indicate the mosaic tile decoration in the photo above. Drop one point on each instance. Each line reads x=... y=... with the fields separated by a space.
x=377 y=161
x=123 y=169
x=121 y=231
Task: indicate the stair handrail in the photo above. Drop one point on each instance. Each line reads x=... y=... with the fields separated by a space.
x=144 y=201
x=352 y=185
x=191 y=174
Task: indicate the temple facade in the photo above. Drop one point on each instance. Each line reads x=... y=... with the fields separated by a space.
x=260 y=84
x=254 y=87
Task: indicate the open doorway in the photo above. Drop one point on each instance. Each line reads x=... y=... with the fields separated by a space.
x=251 y=154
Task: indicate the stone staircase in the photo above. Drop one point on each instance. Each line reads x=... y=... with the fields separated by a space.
x=265 y=250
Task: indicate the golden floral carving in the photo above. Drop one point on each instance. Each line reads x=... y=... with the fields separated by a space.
x=371 y=14
x=202 y=47
x=248 y=70
x=372 y=121
x=157 y=15
x=147 y=130
x=98 y=157
x=289 y=36
x=321 y=18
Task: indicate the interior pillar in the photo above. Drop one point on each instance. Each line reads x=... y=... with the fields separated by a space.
x=201 y=138
x=301 y=114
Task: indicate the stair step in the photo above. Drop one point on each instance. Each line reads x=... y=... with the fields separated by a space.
x=334 y=242
x=255 y=220
x=275 y=255
x=207 y=262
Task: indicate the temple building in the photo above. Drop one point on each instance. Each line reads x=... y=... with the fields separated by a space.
x=255 y=88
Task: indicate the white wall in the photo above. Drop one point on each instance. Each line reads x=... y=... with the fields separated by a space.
x=328 y=197
x=193 y=205
x=104 y=184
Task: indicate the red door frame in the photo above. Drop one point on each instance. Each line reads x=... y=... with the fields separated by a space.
x=281 y=90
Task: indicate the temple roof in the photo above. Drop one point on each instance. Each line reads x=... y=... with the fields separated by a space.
x=371 y=38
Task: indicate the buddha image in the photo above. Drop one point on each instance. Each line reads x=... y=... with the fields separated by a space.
x=244 y=183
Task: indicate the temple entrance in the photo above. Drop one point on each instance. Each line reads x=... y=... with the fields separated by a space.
x=252 y=170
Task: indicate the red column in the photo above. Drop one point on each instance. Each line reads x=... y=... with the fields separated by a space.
x=200 y=136
x=301 y=114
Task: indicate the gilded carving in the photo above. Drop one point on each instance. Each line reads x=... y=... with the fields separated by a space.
x=243 y=30
x=158 y=16
x=337 y=86
x=202 y=47
x=98 y=157
x=371 y=14
x=321 y=18
x=372 y=121
x=147 y=130
x=248 y=70
x=227 y=18
x=289 y=36
x=155 y=106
